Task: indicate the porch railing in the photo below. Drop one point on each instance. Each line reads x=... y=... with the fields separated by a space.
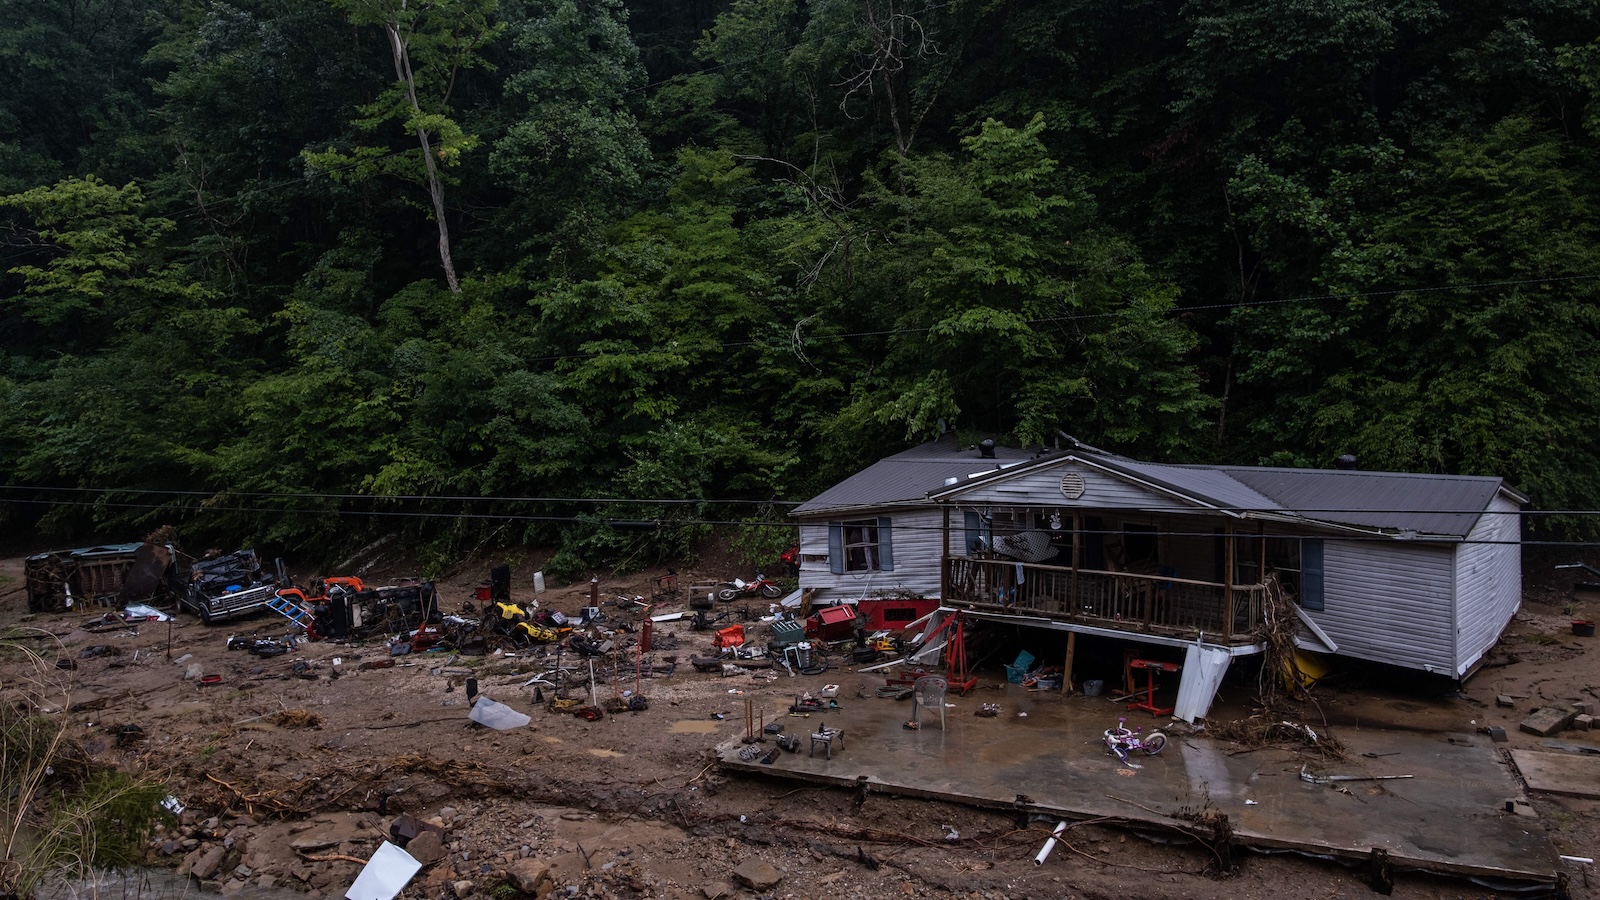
x=1125 y=601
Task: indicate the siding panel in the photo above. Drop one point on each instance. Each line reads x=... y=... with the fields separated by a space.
x=917 y=536
x=1488 y=582
x=1043 y=489
x=1390 y=603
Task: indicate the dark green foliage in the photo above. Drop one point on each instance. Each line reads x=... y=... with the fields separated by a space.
x=737 y=250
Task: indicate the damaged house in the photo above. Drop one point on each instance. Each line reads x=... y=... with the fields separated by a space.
x=1412 y=570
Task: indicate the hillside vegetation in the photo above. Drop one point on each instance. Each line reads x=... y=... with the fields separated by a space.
x=304 y=272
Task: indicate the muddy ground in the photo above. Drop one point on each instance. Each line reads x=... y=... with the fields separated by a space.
x=294 y=767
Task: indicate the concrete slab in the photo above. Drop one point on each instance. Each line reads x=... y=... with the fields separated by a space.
x=1570 y=774
x=1046 y=749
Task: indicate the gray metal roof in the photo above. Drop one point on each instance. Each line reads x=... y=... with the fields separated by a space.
x=909 y=475
x=1400 y=503
x=1445 y=505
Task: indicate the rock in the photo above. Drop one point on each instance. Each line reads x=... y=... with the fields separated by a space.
x=426 y=848
x=462 y=888
x=757 y=874
x=526 y=874
x=313 y=843
x=233 y=886
x=717 y=890
x=208 y=863
x=1504 y=700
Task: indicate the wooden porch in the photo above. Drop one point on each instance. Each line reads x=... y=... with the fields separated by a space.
x=1134 y=602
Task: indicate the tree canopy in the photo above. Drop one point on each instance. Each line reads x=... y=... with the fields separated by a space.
x=307 y=271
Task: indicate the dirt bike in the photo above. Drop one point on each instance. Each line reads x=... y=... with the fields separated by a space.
x=762 y=586
x=1121 y=741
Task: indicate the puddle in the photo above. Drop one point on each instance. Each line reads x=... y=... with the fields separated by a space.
x=606 y=753
x=694 y=726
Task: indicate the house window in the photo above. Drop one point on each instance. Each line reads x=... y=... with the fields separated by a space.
x=1297 y=563
x=862 y=545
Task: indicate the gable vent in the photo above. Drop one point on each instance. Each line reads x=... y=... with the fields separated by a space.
x=1072 y=486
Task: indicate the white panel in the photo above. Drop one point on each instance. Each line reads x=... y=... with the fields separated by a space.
x=1390 y=602
x=1488 y=582
x=1043 y=488
x=917 y=533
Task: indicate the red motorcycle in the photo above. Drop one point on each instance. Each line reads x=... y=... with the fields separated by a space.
x=789 y=561
x=762 y=586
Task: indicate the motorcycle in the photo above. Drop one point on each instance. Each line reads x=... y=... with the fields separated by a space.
x=762 y=586
x=789 y=561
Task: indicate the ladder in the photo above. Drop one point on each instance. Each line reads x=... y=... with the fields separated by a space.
x=290 y=610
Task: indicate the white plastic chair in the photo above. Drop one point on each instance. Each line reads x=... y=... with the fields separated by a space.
x=928 y=692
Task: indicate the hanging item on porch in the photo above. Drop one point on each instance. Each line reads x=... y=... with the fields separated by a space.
x=1027 y=546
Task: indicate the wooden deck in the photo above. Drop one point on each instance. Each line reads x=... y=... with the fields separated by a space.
x=1124 y=601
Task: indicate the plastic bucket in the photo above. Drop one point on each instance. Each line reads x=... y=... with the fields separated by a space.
x=1093 y=687
x=1583 y=628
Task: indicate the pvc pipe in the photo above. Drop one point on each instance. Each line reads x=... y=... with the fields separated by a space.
x=1049 y=844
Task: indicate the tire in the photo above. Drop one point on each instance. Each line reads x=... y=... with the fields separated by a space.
x=727 y=595
x=771 y=591
x=1154 y=743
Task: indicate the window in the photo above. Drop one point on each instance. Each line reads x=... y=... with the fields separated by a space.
x=1296 y=561
x=862 y=545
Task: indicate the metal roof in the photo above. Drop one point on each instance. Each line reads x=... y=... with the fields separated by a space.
x=1399 y=503
x=1445 y=505
x=910 y=475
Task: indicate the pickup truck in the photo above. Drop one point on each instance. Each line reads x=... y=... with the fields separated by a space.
x=228 y=586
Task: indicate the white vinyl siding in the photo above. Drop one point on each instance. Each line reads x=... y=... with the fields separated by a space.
x=1043 y=488
x=916 y=535
x=1488 y=582
x=1390 y=602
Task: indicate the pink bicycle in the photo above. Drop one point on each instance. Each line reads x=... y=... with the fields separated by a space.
x=1120 y=741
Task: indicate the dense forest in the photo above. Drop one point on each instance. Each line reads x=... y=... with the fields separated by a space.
x=601 y=274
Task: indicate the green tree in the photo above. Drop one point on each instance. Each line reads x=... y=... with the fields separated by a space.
x=431 y=43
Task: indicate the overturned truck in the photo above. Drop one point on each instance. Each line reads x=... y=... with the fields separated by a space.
x=57 y=580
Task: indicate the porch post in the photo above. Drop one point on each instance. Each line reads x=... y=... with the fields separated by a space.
x=1077 y=544
x=944 y=561
x=1066 y=668
x=1227 y=588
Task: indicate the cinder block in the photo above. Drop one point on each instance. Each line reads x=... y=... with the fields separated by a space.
x=1583 y=722
x=1548 y=720
x=1584 y=708
x=1505 y=700
x=1497 y=734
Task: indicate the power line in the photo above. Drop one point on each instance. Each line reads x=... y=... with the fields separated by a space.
x=659 y=524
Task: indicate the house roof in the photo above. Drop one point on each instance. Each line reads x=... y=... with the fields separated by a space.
x=1400 y=503
x=909 y=476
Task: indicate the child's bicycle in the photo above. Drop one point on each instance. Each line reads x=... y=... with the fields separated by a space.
x=1120 y=741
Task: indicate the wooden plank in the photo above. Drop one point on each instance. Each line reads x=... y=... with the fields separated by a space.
x=1568 y=774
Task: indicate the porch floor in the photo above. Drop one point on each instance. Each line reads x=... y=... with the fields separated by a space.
x=1448 y=818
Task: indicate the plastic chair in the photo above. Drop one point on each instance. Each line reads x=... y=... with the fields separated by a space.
x=928 y=692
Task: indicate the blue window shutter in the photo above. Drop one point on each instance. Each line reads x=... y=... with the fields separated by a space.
x=885 y=546
x=1311 y=596
x=836 y=548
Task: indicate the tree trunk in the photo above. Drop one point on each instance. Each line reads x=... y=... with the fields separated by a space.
x=402 y=70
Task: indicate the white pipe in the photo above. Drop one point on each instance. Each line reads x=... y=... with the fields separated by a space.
x=1049 y=844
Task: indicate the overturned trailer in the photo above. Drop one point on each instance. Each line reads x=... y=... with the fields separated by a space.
x=57 y=580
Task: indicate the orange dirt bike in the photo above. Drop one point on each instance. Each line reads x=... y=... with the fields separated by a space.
x=761 y=587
